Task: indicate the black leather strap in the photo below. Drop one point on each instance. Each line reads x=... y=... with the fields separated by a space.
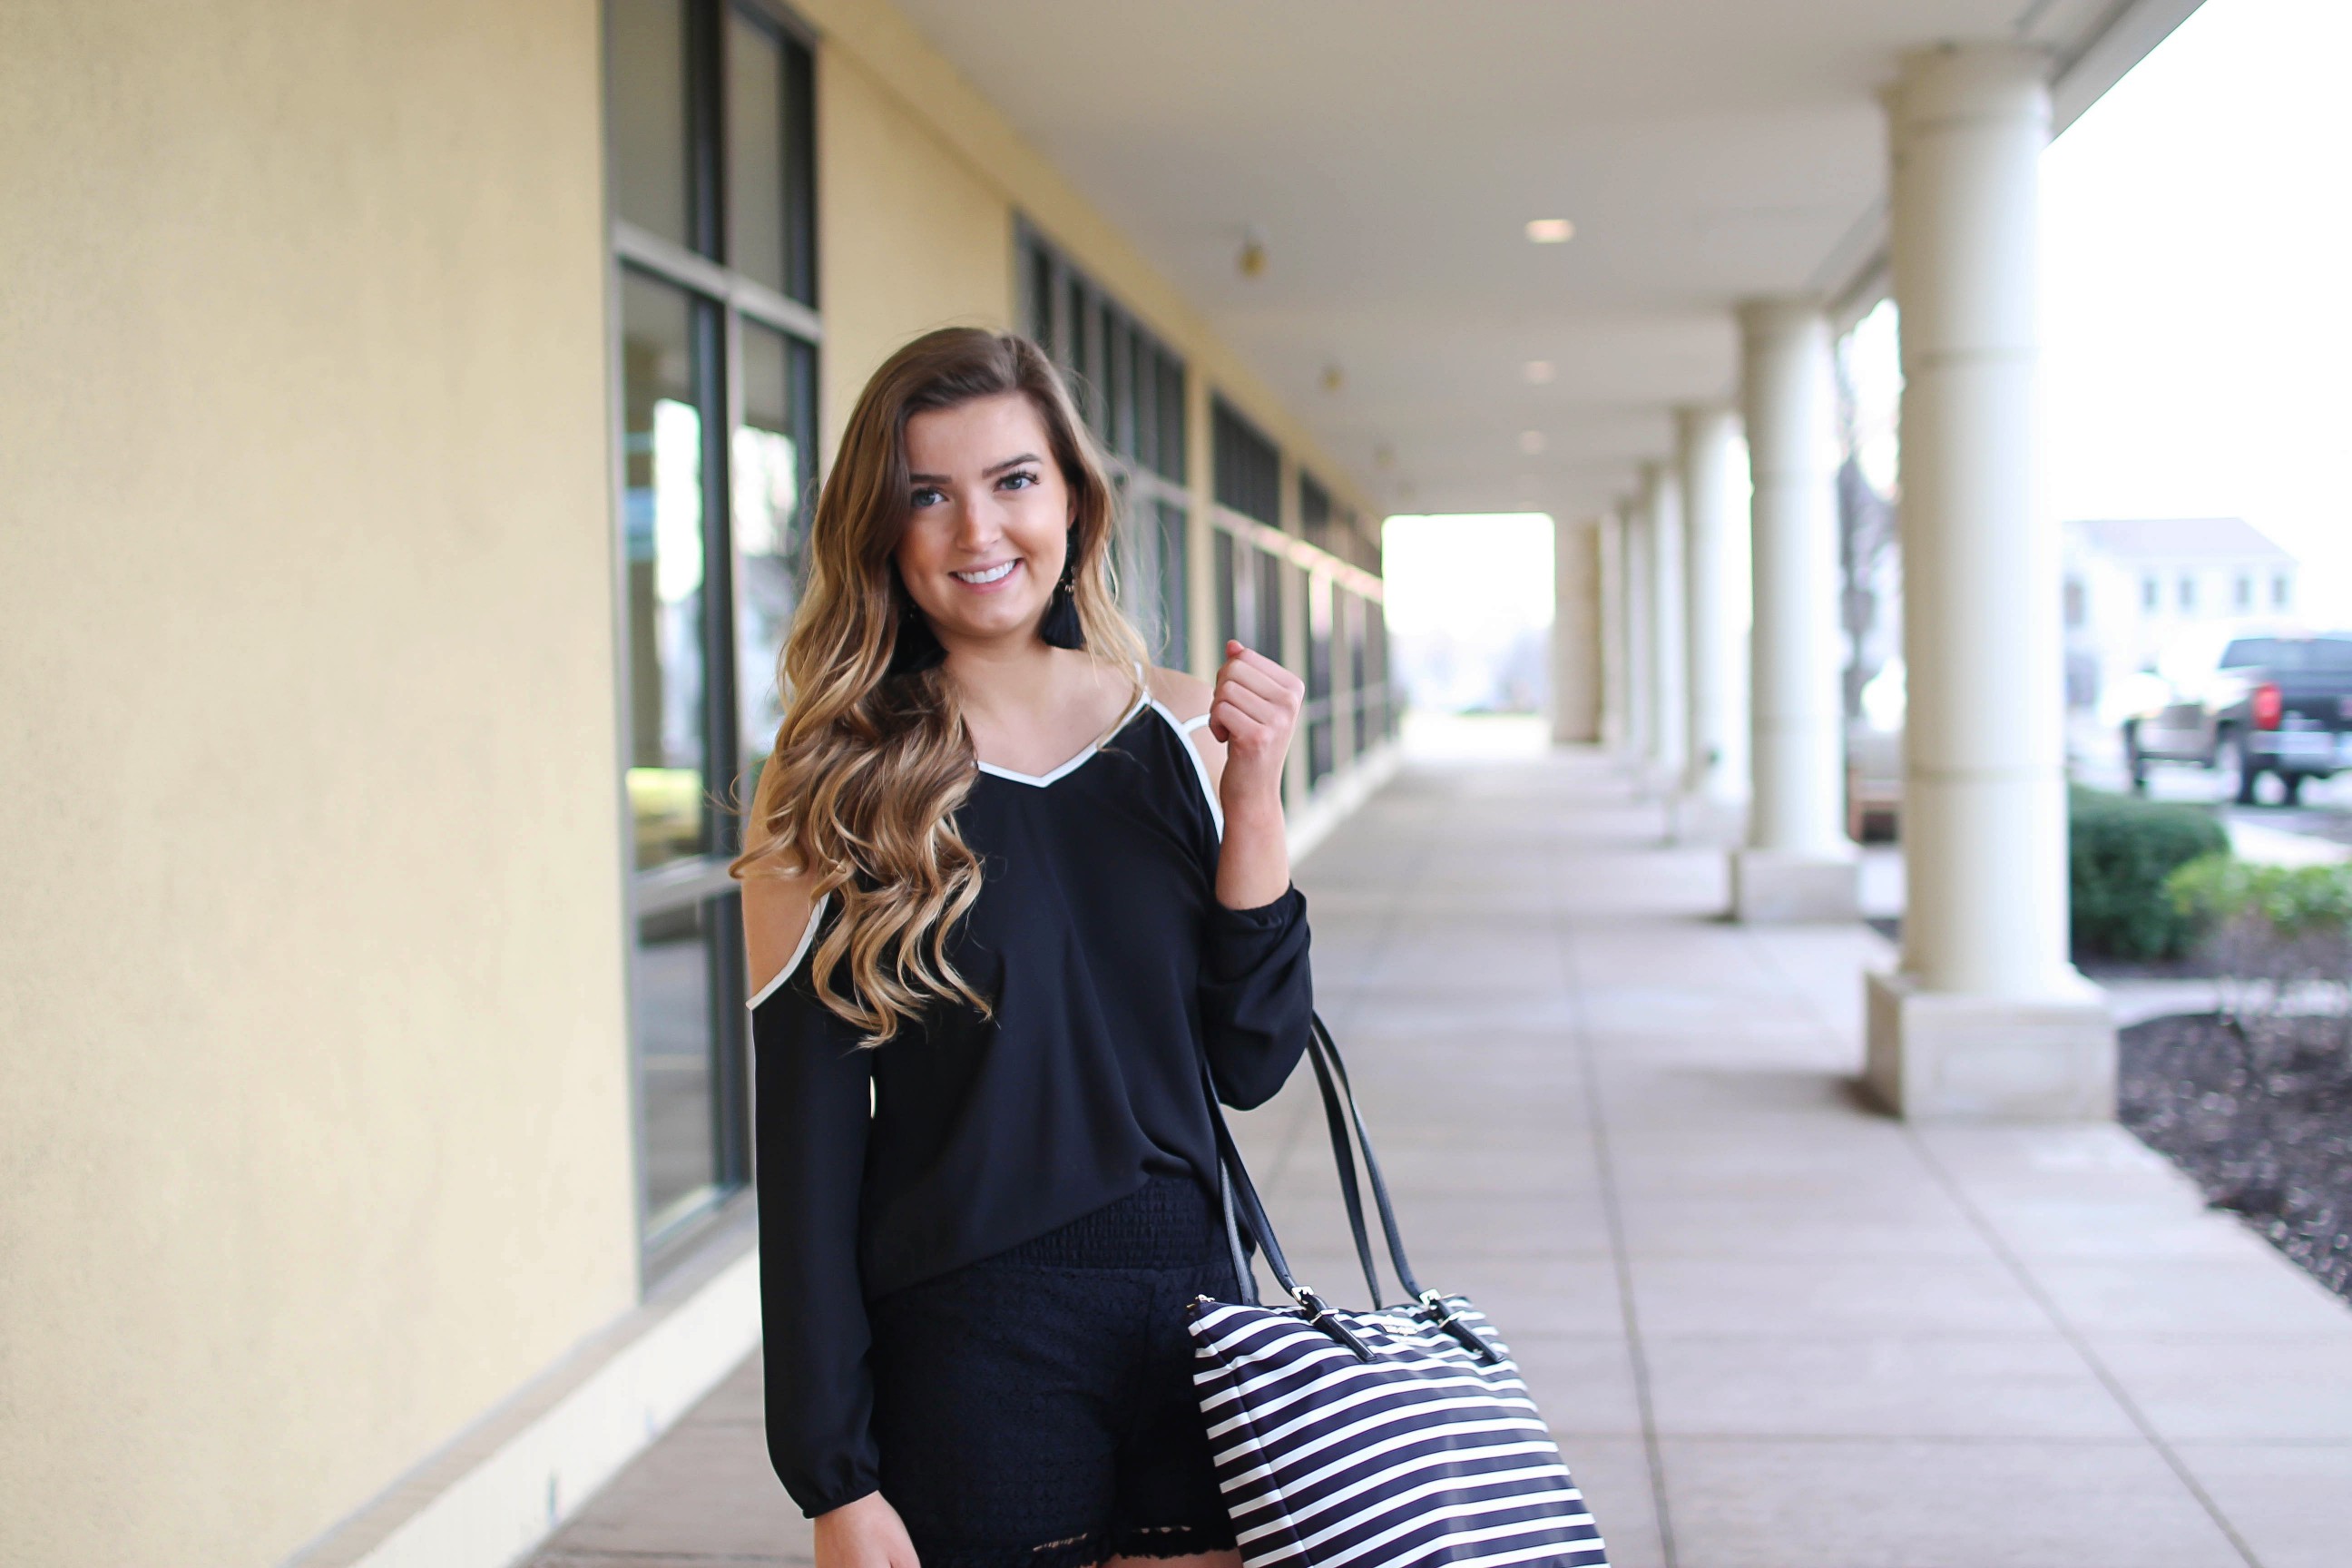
x=1238 y=1195
x=1343 y=1157
x=1319 y=1040
x=1244 y=1276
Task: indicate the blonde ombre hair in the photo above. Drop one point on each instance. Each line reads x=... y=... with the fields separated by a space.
x=869 y=767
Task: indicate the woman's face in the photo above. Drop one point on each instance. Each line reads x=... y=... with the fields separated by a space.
x=989 y=519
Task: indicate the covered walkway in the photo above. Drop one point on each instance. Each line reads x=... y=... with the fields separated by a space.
x=1769 y=1326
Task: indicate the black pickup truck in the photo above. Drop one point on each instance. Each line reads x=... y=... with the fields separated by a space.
x=2276 y=704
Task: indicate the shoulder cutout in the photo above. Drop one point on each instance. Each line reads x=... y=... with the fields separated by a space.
x=1186 y=697
x=1184 y=701
x=808 y=939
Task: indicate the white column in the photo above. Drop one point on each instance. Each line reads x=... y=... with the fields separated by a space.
x=1638 y=710
x=1986 y=1017
x=1576 y=678
x=1616 y=683
x=1662 y=505
x=1715 y=780
x=1799 y=865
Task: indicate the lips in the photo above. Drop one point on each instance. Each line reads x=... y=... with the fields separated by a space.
x=980 y=577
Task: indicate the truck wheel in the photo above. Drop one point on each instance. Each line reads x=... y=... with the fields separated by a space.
x=2293 y=783
x=2238 y=774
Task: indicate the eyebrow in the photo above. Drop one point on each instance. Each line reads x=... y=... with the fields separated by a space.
x=992 y=469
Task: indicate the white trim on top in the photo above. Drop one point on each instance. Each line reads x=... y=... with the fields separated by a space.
x=1184 y=728
x=1039 y=781
x=808 y=935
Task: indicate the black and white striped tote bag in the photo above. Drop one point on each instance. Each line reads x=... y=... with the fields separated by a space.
x=1400 y=1437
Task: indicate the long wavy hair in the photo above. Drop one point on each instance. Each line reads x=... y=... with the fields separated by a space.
x=869 y=767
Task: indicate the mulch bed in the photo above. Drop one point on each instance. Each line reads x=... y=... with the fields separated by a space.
x=2265 y=1129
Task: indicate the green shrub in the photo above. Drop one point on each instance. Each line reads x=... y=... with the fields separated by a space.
x=2120 y=850
x=2293 y=901
x=2282 y=938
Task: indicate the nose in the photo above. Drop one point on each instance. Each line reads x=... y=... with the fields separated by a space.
x=979 y=525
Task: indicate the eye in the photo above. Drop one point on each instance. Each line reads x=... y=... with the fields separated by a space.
x=1019 y=480
x=927 y=496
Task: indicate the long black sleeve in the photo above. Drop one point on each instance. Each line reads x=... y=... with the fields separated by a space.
x=1256 y=994
x=814 y=1089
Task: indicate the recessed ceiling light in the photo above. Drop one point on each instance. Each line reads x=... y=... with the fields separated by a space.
x=1549 y=231
x=1537 y=371
x=1531 y=442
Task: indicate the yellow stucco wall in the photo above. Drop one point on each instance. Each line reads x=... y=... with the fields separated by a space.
x=314 y=1131
x=909 y=234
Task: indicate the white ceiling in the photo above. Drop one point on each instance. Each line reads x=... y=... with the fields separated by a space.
x=1390 y=154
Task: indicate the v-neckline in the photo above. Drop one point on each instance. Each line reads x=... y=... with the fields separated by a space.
x=1039 y=781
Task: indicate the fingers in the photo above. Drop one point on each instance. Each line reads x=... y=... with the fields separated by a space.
x=1235 y=699
x=1248 y=722
x=1255 y=702
x=1241 y=657
x=1253 y=670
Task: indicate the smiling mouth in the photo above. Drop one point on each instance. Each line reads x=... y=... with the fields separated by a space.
x=982 y=577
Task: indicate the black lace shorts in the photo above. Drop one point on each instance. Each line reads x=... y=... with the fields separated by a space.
x=1036 y=1409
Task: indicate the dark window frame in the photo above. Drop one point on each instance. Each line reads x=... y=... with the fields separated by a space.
x=1316 y=513
x=1322 y=612
x=1248 y=464
x=1128 y=385
x=723 y=300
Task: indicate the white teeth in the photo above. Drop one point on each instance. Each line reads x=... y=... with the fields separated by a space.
x=992 y=574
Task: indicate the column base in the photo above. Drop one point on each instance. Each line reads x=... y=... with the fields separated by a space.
x=1947 y=1057
x=1781 y=886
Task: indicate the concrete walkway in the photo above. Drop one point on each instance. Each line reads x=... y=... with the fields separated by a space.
x=1769 y=1328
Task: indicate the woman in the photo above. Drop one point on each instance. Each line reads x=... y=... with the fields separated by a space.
x=1007 y=889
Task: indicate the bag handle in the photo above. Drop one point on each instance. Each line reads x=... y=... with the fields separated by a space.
x=1341 y=1113
x=1343 y=1156
x=1242 y=1206
x=1237 y=1194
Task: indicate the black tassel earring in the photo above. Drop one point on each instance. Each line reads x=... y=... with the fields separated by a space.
x=1060 y=625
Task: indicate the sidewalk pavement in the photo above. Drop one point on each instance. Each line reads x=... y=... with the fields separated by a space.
x=1770 y=1328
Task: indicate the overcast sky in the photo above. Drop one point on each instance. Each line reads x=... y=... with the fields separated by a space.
x=2197 y=287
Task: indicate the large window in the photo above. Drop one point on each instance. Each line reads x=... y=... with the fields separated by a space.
x=709 y=132
x=1250 y=568
x=1249 y=466
x=1320 y=714
x=1130 y=390
x=1353 y=611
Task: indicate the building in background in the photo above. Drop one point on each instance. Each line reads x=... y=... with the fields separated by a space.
x=410 y=474
x=2136 y=586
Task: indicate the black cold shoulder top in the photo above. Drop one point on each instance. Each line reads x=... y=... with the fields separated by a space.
x=1098 y=937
